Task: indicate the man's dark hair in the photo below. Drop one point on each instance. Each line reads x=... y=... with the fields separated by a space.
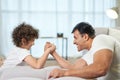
x=25 y=31
x=85 y=28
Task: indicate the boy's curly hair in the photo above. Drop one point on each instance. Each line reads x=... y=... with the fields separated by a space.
x=25 y=31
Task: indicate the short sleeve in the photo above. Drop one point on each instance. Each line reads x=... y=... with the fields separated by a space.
x=103 y=42
x=99 y=42
x=88 y=58
x=22 y=54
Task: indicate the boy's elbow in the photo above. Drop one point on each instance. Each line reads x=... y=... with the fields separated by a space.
x=37 y=66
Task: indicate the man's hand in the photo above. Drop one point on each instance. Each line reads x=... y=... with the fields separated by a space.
x=56 y=73
x=50 y=47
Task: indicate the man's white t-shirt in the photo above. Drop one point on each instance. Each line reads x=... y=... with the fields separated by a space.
x=15 y=57
x=106 y=42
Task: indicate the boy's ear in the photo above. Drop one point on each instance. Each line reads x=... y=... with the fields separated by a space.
x=23 y=41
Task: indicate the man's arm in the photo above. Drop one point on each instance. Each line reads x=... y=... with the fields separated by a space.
x=66 y=64
x=62 y=62
x=101 y=63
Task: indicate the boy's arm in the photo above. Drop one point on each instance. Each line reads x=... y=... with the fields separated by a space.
x=39 y=63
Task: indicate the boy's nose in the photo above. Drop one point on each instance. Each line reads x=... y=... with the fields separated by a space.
x=33 y=43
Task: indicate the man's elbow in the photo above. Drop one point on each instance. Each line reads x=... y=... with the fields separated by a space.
x=102 y=72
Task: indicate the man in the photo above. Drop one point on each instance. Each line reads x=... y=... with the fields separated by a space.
x=98 y=63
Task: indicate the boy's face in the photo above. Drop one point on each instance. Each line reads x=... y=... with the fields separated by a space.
x=28 y=45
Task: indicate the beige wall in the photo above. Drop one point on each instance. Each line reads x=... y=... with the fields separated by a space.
x=118 y=20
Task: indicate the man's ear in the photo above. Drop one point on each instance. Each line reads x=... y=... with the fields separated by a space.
x=86 y=37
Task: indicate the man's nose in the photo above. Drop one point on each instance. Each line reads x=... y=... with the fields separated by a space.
x=74 y=42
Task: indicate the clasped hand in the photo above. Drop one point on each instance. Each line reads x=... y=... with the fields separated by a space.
x=49 y=46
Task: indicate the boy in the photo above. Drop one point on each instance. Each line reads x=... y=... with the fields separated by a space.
x=23 y=38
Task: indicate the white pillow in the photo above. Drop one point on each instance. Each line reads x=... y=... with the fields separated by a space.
x=71 y=78
x=115 y=67
x=114 y=33
x=23 y=71
x=26 y=71
x=25 y=78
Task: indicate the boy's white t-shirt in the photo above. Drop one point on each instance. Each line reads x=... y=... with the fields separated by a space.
x=15 y=57
x=106 y=42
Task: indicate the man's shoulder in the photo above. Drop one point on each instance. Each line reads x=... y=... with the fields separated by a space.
x=104 y=37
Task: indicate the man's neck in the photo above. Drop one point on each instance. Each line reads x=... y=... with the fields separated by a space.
x=90 y=43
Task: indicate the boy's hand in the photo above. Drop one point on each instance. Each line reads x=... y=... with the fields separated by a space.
x=50 y=47
x=47 y=45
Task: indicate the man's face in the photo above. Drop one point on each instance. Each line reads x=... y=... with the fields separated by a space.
x=79 y=40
